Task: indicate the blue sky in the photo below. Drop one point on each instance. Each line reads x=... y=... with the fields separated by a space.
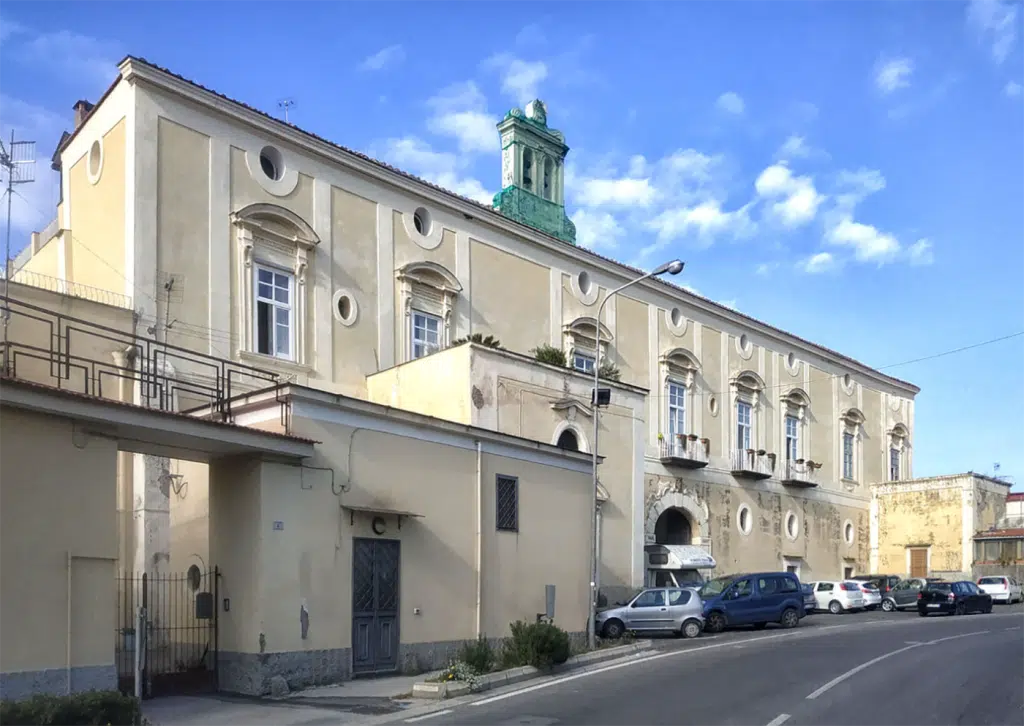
x=852 y=172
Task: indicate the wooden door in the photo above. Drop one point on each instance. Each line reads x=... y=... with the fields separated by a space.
x=918 y=561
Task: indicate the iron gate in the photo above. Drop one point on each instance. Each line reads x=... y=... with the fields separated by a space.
x=178 y=643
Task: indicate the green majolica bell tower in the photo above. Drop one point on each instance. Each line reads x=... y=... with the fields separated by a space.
x=533 y=172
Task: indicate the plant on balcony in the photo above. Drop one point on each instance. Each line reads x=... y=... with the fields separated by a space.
x=661 y=437
x=813 y=464
x=750 y=451
x=488 y=341
x=609 y=372
x=692 y=437
x=799 y=461
x=549 y=354
x=705 y=441
x=760 y=452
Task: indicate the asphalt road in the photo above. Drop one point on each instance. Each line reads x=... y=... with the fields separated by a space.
x=836 y=670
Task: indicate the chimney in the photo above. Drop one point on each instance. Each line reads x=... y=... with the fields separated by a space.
x=82 y=109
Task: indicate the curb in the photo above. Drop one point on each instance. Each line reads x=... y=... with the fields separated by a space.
x=439 y=691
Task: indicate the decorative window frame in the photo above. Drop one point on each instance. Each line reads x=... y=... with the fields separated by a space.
x=796 y=403
x=899 y=439
x=791 y=516
x=430 y=288
x=589 y=337
x=852 y=422
x=748 y=387
x=280 y=187
x=276 y=237
x=740 y=510
x=93 y=175
x=681 y=367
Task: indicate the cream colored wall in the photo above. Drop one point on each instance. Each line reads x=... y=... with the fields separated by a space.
x=632 y=341
x=436 y=385
x=932 y=518
x=190 y=517
x=44 y=262
x=520 y=322
x=44 y=518
x=96 y=251
x=712 y=385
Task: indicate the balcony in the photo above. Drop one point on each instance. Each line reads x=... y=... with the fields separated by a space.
x=751 y=464
x=686 y=452
x=800 y=473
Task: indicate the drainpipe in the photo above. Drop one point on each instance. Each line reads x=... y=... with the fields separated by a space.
x=479 y=534
x=67 y=640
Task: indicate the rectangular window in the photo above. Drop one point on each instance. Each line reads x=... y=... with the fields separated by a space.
x=507 y=503
x=426 y=334
x=894 y=464
x=583 y=362
x=274 y=312
x=743 y=426
x=792 y=438
x=848 y=456
x=676 y=411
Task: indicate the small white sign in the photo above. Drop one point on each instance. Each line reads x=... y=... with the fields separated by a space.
x=278 y=526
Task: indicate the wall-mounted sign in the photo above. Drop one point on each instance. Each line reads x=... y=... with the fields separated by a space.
x=278 y=526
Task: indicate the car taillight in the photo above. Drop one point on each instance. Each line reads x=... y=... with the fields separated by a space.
x=920 y=595
x=842 y=586
x=951 y=597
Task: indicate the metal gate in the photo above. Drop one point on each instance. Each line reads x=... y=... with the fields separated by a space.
x=176 y=645
x=375 y=578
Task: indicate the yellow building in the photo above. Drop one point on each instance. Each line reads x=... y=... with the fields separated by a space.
x=241 y=237
x=926 y=527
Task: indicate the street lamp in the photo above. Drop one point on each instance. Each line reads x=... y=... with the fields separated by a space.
x=673 y=268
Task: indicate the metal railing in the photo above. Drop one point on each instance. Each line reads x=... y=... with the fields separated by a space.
x=748 y=460
x=800 y=471
x=685 y=448
x=53 y=349
x=74 y=289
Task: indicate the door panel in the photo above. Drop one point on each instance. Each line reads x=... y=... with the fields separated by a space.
x=375 y=601
x=918 y=562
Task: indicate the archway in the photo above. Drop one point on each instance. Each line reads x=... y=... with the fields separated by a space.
x=568 y=440
x=673 y=528
x=685 y=505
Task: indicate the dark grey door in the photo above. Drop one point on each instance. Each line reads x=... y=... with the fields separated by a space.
x=375 y=573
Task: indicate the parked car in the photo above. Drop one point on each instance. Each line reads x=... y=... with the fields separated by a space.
x=882 y=583
x=872 y=597
x=904 y=595
x=1002 y=589
x=953 y=598
x=753 y=599
x=667 y=609
x=809 y=601
x=838 y=596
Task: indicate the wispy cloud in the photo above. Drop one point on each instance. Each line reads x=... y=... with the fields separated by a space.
x=893 y=74
x=384 y=58
x=731 y=102
x=1012 y=89
x=597 y=230
x=819 y=263
x=441 y=168
x=520 y=79
x=996 y=23
x=793 y=200
x=460 y=112
x=920 y=253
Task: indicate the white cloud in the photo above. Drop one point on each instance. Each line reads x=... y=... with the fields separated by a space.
x=819 y=263
x=706 y=220
x=615 y=192
x=597 y=230
x=920 y=253
x=1012 y=89
x=995 y=22
x=856 y=186
x=793 y=199
x=383 y=58
x=766 y=268
x=893 y=74
x=731 y=102
x=796 y=147
x=869 y=243
x=460 y=111
x=520 y=79
x=441 y=168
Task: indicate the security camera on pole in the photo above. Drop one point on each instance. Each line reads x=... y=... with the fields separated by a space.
x=602 y=397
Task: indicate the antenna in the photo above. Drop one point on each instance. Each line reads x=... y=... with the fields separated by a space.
x=19 y=160
x=284 y=104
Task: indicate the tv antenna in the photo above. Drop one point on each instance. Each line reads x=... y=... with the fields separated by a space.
x=19 y=162
x=284 y=104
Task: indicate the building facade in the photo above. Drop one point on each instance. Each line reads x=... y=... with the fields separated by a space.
x=240 y=236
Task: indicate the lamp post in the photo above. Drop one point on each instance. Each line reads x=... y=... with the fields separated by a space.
x=673 y=268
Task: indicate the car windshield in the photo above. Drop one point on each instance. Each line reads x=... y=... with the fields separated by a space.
x=990 y=581
x=713 y=588
x=942 y=586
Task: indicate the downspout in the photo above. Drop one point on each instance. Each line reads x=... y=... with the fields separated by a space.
x=67 y=640
x=479 y=534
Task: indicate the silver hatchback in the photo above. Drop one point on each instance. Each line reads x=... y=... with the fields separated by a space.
x=666 y=609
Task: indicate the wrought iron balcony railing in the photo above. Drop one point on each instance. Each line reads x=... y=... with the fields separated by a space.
x=752 y=464
x=684 y=451
x=800 y=473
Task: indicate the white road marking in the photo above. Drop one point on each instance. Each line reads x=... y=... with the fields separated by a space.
x=1017 y=628
x=779 y=720
x=854 y=671
x=433 y=714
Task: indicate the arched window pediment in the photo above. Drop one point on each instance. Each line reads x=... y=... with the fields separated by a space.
x=681 y=359
x=276 y=223
x=797 y=397
x=432 y=275
x=899 y=431
x=749 y=381
x=588 y=327
x=853 y=417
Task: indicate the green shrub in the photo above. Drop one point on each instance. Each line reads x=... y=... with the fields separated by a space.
x=541 y=645
x=488 y=341
x=609 y=372
x=85 y=709
x=549 y=354
x=479 y=655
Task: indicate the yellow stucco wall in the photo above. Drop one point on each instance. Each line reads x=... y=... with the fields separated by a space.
x=932 y=518
x=522 y=327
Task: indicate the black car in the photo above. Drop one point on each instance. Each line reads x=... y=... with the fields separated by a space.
x=953 y=598
x=809 y=602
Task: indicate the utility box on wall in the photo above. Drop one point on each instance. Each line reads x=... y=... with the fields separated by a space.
x=549 y=601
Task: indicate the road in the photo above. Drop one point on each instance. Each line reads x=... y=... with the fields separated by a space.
x=853 y=669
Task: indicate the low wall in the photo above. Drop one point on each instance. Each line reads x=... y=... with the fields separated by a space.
x=1015 y=571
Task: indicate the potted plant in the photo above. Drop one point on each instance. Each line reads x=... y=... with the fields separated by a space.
x=760 y=452
x=661 y=438
x=800 y=461
x=692 y=437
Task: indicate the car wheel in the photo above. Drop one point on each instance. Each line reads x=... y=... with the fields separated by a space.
x=613 y=629
x=691 y=629
x=760 y=626
x=922 y=613
x=960 y=609
x=888 y=606
x=834 y=607
x=715 y=623
x=790 y=618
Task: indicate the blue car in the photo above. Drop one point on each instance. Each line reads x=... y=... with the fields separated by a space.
x=752 y=599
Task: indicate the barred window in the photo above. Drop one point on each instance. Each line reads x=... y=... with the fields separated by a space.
x=507 y=503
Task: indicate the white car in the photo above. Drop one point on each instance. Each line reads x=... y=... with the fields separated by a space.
x=837 y=596
x=872 y=597
x=1002 y=589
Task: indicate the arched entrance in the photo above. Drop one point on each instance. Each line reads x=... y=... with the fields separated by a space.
x=673 y=528
x=568 y=440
